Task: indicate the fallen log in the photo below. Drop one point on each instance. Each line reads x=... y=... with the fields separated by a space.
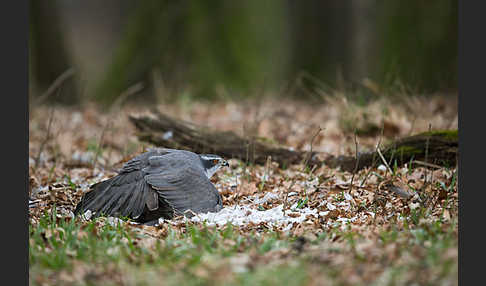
x=435 y=147
x=168 y=132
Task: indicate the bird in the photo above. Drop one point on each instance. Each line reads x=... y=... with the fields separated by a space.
x=160 y=183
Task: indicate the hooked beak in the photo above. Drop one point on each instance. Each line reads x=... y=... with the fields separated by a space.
x=225 y=164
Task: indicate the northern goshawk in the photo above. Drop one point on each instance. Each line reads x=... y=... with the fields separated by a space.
x=158 y=183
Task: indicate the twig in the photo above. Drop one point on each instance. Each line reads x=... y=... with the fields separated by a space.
x=44 y=142
x=384 y=161
x=309 y=155
x=134 y=89
x=451 y=123
x=427 y=153
x=394 y=149
x=55 y=85
x=374 y=156
x=427 y=164
x=287 y=193
x=357 y=160
x=303 y=168
x=265 y=174
x=237 y=191
x=413 y=125
x=100 y=142
x=247 y=139
x=115 y=107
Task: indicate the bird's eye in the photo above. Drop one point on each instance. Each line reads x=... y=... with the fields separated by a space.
x=215 y=161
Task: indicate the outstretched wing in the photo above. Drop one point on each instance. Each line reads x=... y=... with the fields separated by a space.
x=123 y=195
x=183 y=186
x=126 y=194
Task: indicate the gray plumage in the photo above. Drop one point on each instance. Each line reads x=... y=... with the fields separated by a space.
x=159 y=183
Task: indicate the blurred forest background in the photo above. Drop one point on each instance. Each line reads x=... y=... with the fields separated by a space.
x=99 y=50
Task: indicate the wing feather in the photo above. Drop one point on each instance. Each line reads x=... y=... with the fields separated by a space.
x=186 y=189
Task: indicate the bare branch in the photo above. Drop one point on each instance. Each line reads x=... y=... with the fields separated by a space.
x=309 y=155
x=55 y=85
x=427 y=153
x=357 y=160
x=374 y=155
x=303 y=167
x=47 y=138
x=114 y=108
x=427 y=164
x=384 y=161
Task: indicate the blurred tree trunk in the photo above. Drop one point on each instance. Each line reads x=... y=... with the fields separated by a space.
x=149 y=34
x=419 y=43
x=48 y=57
x=363 y=39
x=320 y=41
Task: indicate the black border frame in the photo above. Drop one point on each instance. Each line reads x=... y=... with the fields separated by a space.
x=14 y=25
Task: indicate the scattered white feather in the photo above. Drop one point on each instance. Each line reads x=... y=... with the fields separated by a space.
x=348 y=197
x=268 y=197
x=382 y=168
x=87 y=214
x=114 y=221
x=167 y=135
x=330 y=206
x=241 y=215
x=83 y=157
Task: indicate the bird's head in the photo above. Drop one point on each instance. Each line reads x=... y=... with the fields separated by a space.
x=212 y=163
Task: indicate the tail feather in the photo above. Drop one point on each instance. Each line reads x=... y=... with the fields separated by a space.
x=92 y=196
x=114 y=197
x=120 y=194
x=136 y=204
x=127 y=195
x=119 y=207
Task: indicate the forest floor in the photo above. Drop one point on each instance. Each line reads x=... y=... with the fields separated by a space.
x=281 y=225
